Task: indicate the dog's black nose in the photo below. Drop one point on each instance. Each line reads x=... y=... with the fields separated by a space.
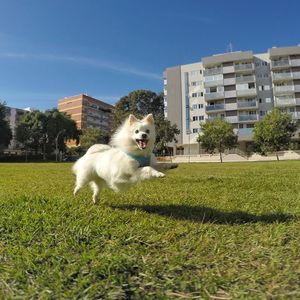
x=144 y=136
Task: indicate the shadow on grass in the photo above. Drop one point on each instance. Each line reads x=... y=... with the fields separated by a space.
x=204 y=214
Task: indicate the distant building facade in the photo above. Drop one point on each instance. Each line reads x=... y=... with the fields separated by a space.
x=87 y=112
x=13 y=116
x=239 y=87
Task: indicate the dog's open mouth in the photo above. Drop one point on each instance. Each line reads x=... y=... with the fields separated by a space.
x=142 y=143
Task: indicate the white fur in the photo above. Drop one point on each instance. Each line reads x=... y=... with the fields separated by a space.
x=111 y=166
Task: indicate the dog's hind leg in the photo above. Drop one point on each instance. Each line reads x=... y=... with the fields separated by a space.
x=81 y=181
x=96 y=187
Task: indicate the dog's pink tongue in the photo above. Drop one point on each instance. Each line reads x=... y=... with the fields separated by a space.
x=143 y=144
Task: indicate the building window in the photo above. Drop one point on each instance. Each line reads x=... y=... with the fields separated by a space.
x=195 y=130
x=268 y=100
x=201 y=118
x=195 y=106
x=200 y=106
x=195 y=118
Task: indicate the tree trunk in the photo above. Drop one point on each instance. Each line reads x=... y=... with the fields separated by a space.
x=221 y=159
x=277 y=156
x=44 y=151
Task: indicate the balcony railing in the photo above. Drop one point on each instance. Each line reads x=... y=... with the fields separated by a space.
x=244 y=79
x=296 y=115
x=247 y=118
x=215 y=107
x=213 y=83
x=212 y=118
x=244 y=104
x=232 y=119
x=283 y=88
x=212 y=96
x=282 y=76
x=246 y=92
x=245 y=131
x=280 y=63
x=213 y=71
x=285 y=101
x=295 y=62
x=243 y=67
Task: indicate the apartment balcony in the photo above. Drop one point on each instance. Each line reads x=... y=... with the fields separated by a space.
x=277 y=64
x=296 y=75
x=214 y=108
x=246 y=92
x=213 y=96
x=245 y=79
x=284 y=101
x=278 y=89
x=295 y=62
x=245 y=134
x=213 y=83
x=248 y=118
x=213 y=71
x=247 y=104
x=230 y=94
x=228 y=69
x=229 y=81
x=231 y=106
x=244 y=67
x=232 y=119
x=213 y=118
x=296 y=115
x=282 y=76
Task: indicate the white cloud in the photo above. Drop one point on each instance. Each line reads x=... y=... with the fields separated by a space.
x=92 y=62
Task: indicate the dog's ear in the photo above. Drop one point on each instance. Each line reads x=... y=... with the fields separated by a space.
x=149 y=119
x=131 y=119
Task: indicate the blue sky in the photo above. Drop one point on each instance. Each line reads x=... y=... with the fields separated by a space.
x=51 y=49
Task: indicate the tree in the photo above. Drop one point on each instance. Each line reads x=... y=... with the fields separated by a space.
x=138 y=103
x=141 y=103
x=90 y=136
x=30 y=130
x=217 y=135
x=39 y=131
x=59 y=128
x=165 y=133
x=274 y=132
x=5 y=131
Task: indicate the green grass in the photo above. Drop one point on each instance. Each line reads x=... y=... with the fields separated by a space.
x=209 y=231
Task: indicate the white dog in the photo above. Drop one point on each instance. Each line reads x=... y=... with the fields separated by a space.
x=127 y=160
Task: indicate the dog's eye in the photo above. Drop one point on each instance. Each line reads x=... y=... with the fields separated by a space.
x=148 y=131
x=136 y=131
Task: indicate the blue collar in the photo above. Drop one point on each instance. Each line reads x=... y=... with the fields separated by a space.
x=143 y=161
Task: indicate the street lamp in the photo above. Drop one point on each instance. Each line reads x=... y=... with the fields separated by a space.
x=56 y=143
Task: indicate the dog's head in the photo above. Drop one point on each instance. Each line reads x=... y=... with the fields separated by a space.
x=142 y=131
x=136 y=136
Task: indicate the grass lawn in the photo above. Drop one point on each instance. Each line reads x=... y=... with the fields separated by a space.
x=209 y=231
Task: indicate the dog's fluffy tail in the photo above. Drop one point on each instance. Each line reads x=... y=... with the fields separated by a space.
x=93 y=149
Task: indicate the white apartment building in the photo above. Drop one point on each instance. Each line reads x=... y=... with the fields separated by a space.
x=13 y=116
x=240 y=87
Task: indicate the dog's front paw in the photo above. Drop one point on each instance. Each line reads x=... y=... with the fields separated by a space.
x=159 y=174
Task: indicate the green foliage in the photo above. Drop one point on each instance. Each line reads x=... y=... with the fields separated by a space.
x=5 y=131
x=90 y=136
x=217 y=135
x=274 y=132
x=39 y=131
x=206 y=231
x=141 y=103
